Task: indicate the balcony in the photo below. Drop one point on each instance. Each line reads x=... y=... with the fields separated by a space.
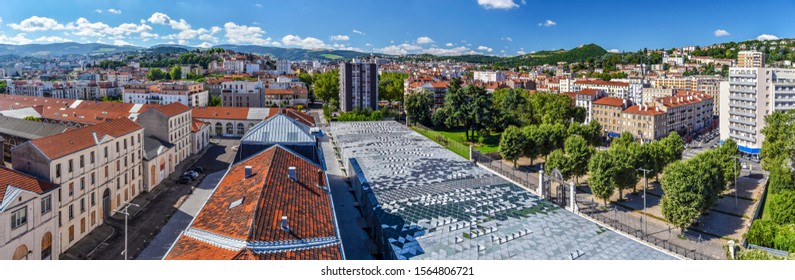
x=746 y=130
x=745 y=83
x=742 y=90
x=743 y=98
x=744 y=106
x=744 y=114
x=742 y=75
x=745 y=122
x=748 y=139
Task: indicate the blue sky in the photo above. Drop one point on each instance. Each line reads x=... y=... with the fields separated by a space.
x=496 y=27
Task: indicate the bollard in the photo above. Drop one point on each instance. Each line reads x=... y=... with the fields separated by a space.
x=731 y=249
x=541 y=184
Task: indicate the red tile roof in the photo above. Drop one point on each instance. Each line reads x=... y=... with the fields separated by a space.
x=274 y=91
x=682 y=98
x=172 y=109
x=264 y=198
x=9 y=177
x=188 y=248
x=59 y=145
x=589 y=91
x=196 y=125
x=227 y=113
x=317 y=253
x=609 y=101
x=643 y=110
x=295 y=114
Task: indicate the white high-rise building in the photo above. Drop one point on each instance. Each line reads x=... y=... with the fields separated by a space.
x=751 y=94
x=283 y=67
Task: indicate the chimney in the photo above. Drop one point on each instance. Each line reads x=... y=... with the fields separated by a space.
x=291 y=172
x=249 y=171
x=284 y=224
x=320 y=181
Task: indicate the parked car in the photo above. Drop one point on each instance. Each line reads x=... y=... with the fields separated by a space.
x=191 y=173
x=184 y=180
x=197 y=169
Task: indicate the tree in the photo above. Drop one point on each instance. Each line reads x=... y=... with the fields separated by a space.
x=3 y=86
x=390 y=86
x=624 y=166
x=560 y=160
x=176 y=73
x=327 y=85
x=601 y=179
x=510 y=107
x=730 y=166
x=531 y=144
x=681 y=203
x=512 y=144
x=654 y=158
x=762 y=232
x=782 y=207
x=674 y=146
x=781 y=178
x=438 y=118
x=155 y=74
x=418 y=107
x=215 y=101
x=779 y=136
x=579 y=154
x=470 y=108
x=32 y=118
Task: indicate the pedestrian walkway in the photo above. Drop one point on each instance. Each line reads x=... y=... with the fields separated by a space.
x=190 y=207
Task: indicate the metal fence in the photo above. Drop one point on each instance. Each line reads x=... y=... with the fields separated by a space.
x=689 y=245
x=448 y=143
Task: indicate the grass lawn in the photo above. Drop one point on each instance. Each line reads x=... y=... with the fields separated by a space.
x=491 y=145
x=458 y=149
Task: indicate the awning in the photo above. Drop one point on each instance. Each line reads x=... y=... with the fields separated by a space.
x=613 y=134
x=747 y=150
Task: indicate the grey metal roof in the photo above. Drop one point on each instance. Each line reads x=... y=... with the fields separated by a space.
x=433 y=204
x=152 y=146
x=28 y=129
x=279 y=129
x=21 y=113
x=258 y=113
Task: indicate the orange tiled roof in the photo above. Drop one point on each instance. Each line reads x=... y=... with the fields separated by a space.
x=188 y=248
x=318 y=253
x=264 y=198
x=23 y=181
x=196 y=125
x=589 y=91
x=279 y=91
x=59 y=145
x=641 y=110
x=609 y=101
x=299 y=116
x=172 y=109
x=227 y=113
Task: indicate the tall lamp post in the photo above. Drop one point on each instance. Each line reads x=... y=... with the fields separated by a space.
x=646 y=185
x=126 y=215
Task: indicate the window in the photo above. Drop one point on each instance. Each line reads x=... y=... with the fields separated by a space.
x=82 y=205
x=93 y=179
x=91 y=160
x=71 y=212
x=118 y=165
x=117 y=147
x=19 y=217
x=71 y=188
x=118 y=183
x=125 y=144
x=70 y=166
x=58 y=170
x=46 y=204
x=106 y=172
x=82 y=225
x=71 y=233
x=93 y=201
x=106 y=152
x=82 y=163
x=82 y=184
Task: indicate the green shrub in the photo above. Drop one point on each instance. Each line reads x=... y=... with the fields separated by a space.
x=785 y=238
x=782 y=207
x=781 y=179
x=757 y=254
x=762 y=233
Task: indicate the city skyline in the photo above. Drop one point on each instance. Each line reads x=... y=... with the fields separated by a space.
x=505 y=27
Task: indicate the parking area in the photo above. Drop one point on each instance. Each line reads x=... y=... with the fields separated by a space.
x=106 y=242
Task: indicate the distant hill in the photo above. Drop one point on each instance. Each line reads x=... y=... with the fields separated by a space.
x=578 y=54
x=59 y=49
x=294 y=54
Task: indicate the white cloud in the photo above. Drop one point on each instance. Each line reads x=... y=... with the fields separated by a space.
x=368 y=45
x=521 y=52
x=509 y=39
x=447 y=52
x=721 y=32
x=1 y=19
x=340 y=38
x=498 y=4
x=765 y=37
x=258 y=5
x=304 y=43
x=164 y=19
x=547 y=23
x=85 y=28
x=114 y=11
x=214 y=29
x=51 y=39
x=36 y=23
x=358 y=32
x=208 y=37
x=485 y=48
x=121 y=43
x=204 y=45
x=424 y=40
x=449 y=44
x=242 y=34
x=18 y=39
x=98 y=11
x=613 y=51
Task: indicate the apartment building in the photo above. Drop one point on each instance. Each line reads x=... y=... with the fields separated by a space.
x=286 y=97
x=98 y=168
x=607 y=111
x=242 y=94
x=171 y=124
x=119 y=78
x=613 y=89
x=687 y=111
x=709 y=85
x=437 y=88
x=653 y=93
x=187 y=93
x=283 y=67
x=585 y=98
x=29 y=220
x=748 y=97
x=358 y=85
x=645 y=123
x=750 y=59
x=199 y=136
x=488 y=76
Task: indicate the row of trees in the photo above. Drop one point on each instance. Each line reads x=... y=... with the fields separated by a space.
x=155 y=74
x=692 y=186
x=533 y=141
x=777 y=229
x=617 y=167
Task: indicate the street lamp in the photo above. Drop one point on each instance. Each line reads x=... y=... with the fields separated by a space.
x=126 y=214
x=646 y=185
